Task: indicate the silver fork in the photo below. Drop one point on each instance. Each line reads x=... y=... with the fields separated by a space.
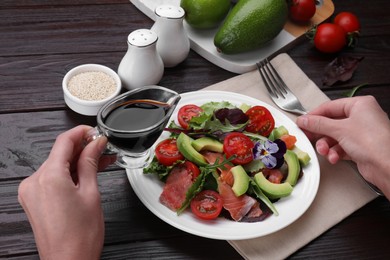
x=282 y=96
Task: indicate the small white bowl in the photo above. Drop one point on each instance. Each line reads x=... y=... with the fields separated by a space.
x=88 y=107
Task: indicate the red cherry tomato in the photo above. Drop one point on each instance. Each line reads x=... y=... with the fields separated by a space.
x=348 y=21
x=329 y=38
x=192 y=169
x=302 y=10
x=207 y=204
x=239 y=145
x=186 y=113
x=260 y=121
x=167 y=152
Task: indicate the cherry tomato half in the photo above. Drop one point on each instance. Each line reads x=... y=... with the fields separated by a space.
x=239 y=145
x=329 y=38
x=302 y=10
x=192 y=169
x=348 y=21
x=167 y=152
x=207 y=204
x=186 y=113
x=260 y=121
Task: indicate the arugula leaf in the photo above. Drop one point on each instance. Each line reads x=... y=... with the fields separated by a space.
x=195 y=188
x=254 y=188
x=216 y=125
x=201 y=121
x=158 y=169
x=352 y=92
x=201 y=181
x=210 y=107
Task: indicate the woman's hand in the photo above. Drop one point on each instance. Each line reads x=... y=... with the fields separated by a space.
x=62 y=200
x=353 y=129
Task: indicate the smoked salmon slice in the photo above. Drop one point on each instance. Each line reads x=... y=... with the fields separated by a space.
x=238 y=207
x=224 y=173
x=176 y=187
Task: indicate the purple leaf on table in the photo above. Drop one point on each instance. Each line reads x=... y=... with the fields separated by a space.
x=340 y=69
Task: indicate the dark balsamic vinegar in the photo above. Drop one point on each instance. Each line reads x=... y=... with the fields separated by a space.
x=136 y=116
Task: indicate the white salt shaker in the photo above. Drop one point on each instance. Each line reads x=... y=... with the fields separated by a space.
x=142 y=65
x=173 y=44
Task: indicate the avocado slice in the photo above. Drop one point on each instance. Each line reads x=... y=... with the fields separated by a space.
x=303 y=157
x=277 y=132
x=272 y=190
x=294 y=167
x=241 y=180
x=184 y=144
x=208 y=144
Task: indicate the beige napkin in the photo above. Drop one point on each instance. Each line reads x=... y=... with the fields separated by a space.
x=341 y=191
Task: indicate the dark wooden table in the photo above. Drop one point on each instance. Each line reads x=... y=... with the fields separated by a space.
x=41 y=40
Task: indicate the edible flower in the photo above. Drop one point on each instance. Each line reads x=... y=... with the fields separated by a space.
x=270 y=153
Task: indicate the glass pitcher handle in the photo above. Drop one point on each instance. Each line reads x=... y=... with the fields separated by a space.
x=95 y=133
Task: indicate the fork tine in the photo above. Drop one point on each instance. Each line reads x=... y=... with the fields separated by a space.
x=282 y=86
x=279 y=83
x=279 y=92
x=273 y=80
x=267 y=82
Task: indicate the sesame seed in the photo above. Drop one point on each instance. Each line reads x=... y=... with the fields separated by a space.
x=92 y=85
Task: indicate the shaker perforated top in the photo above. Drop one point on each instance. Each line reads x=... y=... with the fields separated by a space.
x=142 y=37
x=170 y=11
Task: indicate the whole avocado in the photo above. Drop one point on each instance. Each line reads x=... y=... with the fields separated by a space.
x=205 y=14
x=250 y=24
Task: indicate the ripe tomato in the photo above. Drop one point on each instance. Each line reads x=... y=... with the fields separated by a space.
x=186 y=113
x=192 y=169
x=289 y=140
x=167 y=152
x=329 y=38
x=260 y=121
x=348 y=21
x=207 y=204
x=302 y=10
x=239 y=145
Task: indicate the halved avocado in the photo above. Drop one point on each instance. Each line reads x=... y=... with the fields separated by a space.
x=241 y=180
x=272 y=190
x=294 y=168
x=208 y=144
x=188 y=151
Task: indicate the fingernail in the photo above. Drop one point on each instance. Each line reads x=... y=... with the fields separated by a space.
x=102 y=143
x=302 y=121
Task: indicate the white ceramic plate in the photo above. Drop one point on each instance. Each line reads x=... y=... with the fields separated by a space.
x=148 y=188
x=202 y=41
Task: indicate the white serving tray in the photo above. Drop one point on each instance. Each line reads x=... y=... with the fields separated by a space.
x=202 y=41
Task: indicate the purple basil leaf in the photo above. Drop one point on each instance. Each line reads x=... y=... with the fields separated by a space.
x=340 y=69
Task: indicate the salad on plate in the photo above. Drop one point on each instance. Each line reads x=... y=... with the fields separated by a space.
x=223 y=160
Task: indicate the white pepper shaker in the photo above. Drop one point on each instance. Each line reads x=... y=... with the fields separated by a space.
x=142 y=65
x=173 y=44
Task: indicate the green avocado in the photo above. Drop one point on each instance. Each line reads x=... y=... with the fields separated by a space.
x=208 y=144
x=188 y=151
x=272 y=190
x=241 y=180
x=303 y=157
x=294 y=168
x=251 y=24
x=278 y=132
